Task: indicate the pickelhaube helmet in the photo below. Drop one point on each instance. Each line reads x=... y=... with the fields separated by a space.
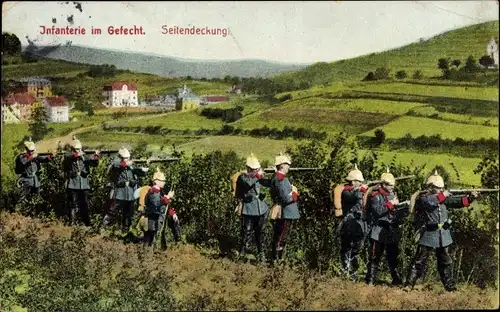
x=435 y=180
x=76 y=144
x=123 y=152
x=253 y=162
x=282 y=159
x=29 y=144
x=158 y=175
x=388 y=178
x=355 y=175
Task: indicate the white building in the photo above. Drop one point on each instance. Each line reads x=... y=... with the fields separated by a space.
x=492 y=51
x=57 y=108
x=120 y=94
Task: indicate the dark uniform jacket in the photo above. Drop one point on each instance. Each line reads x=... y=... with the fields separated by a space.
x=280 y=194
x=385 y=222
x=354 y=220
x=431 y=209
x=248 y=191
x=30 y=167
x=154 y=208
x=121 y=174
x=77 y=169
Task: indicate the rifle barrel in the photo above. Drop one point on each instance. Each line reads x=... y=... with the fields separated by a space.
x=473 y=190
x=271 y=170
x=397 y=179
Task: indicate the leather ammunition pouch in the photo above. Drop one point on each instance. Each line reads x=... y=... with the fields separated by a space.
x=239 y=209
x=435 y=226
x=275 y=212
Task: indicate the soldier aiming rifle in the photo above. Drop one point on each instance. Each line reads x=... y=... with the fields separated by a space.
x=431 y=216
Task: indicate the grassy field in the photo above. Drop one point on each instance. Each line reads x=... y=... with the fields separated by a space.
x=429 y=111
x=465 y=166
x=417 y=126
x=188 y=120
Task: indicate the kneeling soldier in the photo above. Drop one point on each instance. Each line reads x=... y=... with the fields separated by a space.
x=285 y=198
x=431 y=209
x=385 y=231
x=77 y=169
x=254 y=208
x=154 y=211
x=27 y=166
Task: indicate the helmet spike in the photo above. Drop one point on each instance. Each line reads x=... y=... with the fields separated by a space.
x=387 y=169
x=356 y=166
x=74 y=137
x=436 y=172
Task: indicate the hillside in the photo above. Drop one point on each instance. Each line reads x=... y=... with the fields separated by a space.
x=424 y=55
x=164 y=66
x=61 y=268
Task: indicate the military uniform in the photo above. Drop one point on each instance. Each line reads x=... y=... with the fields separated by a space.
x=385 y=232
x=285 y=196
x=254 y=209
x=124 y=180
x=27 y=166
x=353 y=228
x=77 y=168
x=155 y=203
x=431 y=210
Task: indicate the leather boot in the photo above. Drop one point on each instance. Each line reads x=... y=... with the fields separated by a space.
x=447 y=279
x=412 y=277
x=396 y=280
x=371 y=273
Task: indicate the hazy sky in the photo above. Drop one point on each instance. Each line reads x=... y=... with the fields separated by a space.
x=288 y=31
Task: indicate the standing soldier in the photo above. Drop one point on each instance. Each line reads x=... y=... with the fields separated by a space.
x=285 y=210
x=77 y=169
x=27 y=166
x=431 y=209
x=385 y=231
x=124 y=177
x=253 y=207
x=155 y=201
x=353 y=227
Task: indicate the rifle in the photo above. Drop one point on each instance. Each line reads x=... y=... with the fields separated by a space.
x=272 y=170
x=468 y=191
x=155 y=160
x=88 y=152
x=375 y=182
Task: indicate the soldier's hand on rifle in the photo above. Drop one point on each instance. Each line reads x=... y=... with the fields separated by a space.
x=261 y=172
x=171 y=194
x=129 y=162
x=474 y=194
x=394 y=201
x=34 y=155
x=97 y=152
x=145 y=169
x=446 y=193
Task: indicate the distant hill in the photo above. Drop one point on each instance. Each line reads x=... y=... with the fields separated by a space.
x=423 y=55
x=163 y=65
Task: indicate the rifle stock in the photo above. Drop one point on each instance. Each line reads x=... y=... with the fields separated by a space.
x=155 y=160
x=375 y=182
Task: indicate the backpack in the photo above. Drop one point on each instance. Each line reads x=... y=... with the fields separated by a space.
x=19 y=168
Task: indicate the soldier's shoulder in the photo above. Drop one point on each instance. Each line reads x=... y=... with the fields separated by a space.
x=347 y=188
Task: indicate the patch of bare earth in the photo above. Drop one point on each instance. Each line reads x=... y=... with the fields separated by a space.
x=245 y=286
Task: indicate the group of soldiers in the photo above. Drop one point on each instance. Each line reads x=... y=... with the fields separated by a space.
x=154 y=203
x=365 y=212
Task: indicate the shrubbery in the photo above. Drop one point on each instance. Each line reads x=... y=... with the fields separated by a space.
x=226 y=115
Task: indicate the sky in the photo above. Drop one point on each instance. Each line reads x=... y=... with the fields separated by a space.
x=286 y=31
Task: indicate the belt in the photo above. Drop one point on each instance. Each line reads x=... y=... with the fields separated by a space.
x=436 y=226
x=386 y=224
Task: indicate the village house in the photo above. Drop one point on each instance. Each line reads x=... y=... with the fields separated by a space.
x=213 y=99
x=235 y=89
x=120 y=94
x=16 y=107
x=187 y=99
x=36 y=86
x=57 y=108
x=492 y=51
x=164 y=101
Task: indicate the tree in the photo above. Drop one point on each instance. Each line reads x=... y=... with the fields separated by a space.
x=38 y=123
x=382 y=73
x=369 y=77
x=11 y=45
x=486 y=61
x=470 y=64
x=380 y=136
x=444 y=63
x=456 y=63
x=401 y=74
x=418 y=75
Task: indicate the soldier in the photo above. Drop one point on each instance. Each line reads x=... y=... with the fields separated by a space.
x=77 y=169
x=155 y=201
x=27 y=166
x=285 y=210
x=124 y=176
x=253 y=207
x=353 y=228
x=431 y=210
x=385 y=232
